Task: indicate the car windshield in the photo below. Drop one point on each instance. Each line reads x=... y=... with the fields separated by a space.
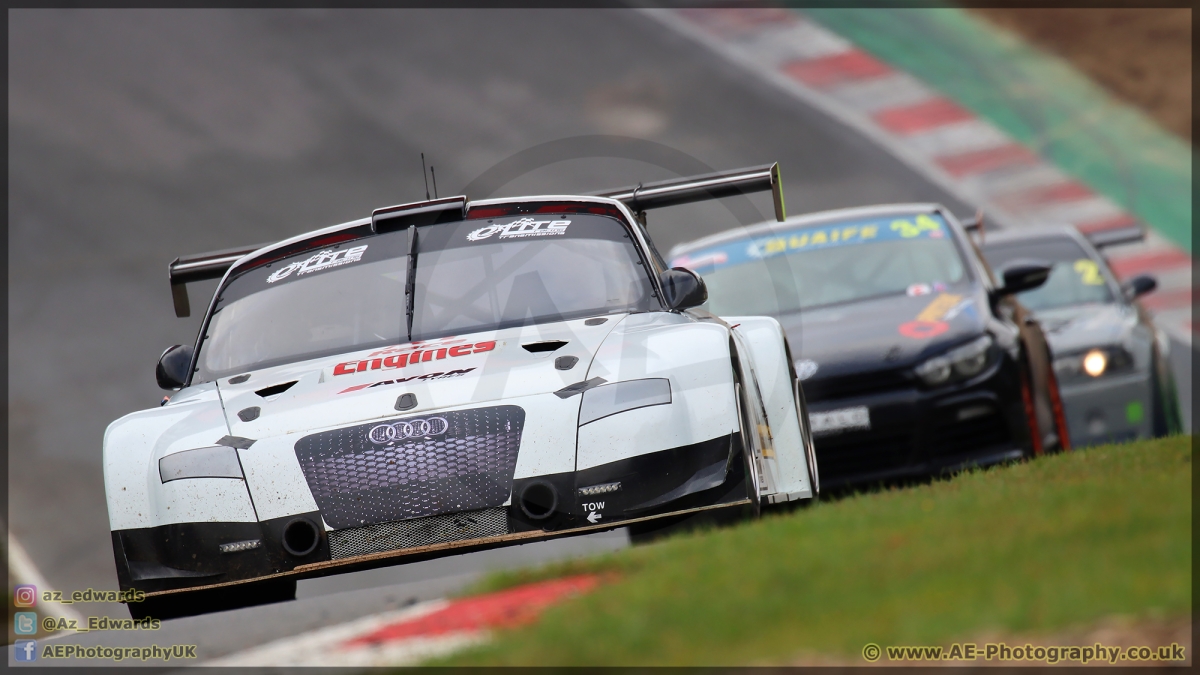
x=472 y=275
x=1076 y=279
x=831 y=263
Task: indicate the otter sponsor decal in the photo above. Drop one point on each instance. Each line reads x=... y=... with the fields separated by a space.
x=520 y=229
x=406 y=355
x=320 y=261
x=419 y=378
x=932 y=320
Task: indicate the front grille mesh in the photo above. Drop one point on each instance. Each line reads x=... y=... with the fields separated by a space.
x=469 y=466
x=417 y=532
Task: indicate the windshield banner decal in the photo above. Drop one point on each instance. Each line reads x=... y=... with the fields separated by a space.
x=319 y=261
x=814 y=237
x=521 y=228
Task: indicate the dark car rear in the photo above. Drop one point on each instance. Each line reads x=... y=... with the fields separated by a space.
x=912 y=362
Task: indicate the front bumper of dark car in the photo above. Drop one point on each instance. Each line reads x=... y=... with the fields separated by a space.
x=1109 y=409
x=192 y=556
x=920 y=432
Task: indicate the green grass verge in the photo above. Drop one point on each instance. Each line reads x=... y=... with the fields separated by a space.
x=1027 y=548
x=1037 y=98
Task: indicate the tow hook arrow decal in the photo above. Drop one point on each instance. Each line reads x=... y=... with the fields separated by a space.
x=593 y=517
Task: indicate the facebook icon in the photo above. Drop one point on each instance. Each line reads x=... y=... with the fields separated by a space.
x=26 y=650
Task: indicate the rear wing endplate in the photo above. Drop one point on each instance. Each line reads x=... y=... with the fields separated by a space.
x=186 y=269
x=678 y=191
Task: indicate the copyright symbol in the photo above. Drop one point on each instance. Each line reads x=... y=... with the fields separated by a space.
x=48 y=624
x=871 y=652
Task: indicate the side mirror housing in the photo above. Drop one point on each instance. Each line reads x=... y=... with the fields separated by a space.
x=173 y=366
x=683 y=288
x=1023 y=276
x=1139 y=286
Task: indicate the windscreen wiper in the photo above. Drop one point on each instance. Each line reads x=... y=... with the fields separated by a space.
x=410 y=280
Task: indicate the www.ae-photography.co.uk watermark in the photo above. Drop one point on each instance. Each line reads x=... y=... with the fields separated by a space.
x=1028 y=653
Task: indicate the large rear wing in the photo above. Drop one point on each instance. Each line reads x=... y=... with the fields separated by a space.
x=676 y=191
x=187 y=269
x=1128 y=234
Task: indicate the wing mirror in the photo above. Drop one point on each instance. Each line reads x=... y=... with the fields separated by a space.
x=1023 y=276
x=1139 y=286
x=173 y=366
x=683 y=288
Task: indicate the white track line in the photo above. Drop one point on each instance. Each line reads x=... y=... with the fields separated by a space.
x=23 y=571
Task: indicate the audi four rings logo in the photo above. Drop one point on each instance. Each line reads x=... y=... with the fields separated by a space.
x=398 y=431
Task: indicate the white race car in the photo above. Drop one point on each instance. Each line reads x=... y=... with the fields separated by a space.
x=441 y=377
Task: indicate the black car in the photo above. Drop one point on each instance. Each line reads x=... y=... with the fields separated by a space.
x=914 y=359
x=1110 y=358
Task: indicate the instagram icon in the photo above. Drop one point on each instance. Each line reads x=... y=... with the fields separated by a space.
x=25 y=595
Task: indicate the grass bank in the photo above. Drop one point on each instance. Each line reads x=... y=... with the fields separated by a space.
x=1022 y=549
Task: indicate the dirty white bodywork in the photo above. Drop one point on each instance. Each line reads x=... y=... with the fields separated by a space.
x=692 y=354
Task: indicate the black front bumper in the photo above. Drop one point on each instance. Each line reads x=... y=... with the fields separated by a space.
x=919 y=432
x=188 y=556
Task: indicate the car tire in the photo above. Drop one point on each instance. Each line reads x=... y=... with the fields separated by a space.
x=1164 y=400
x=1060 y=411
x=753 y=477
x=1035 y=435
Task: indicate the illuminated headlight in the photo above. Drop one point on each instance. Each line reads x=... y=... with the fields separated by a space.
x=215 y=462
x=610 y=399
x=959 y=363
x=1092 y=363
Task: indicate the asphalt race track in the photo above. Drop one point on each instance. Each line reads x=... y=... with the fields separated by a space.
x=137 y=136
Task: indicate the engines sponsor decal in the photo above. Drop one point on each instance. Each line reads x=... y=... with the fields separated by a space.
x=414 y=353
x=932 y=320
x=520 y=229
x=785 y=241
x=401 y=380
x=405 y=429
x=320 y=261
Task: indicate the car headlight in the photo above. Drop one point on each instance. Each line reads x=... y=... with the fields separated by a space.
x=1092 y=363
x=216 y=462
x=960 y=363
